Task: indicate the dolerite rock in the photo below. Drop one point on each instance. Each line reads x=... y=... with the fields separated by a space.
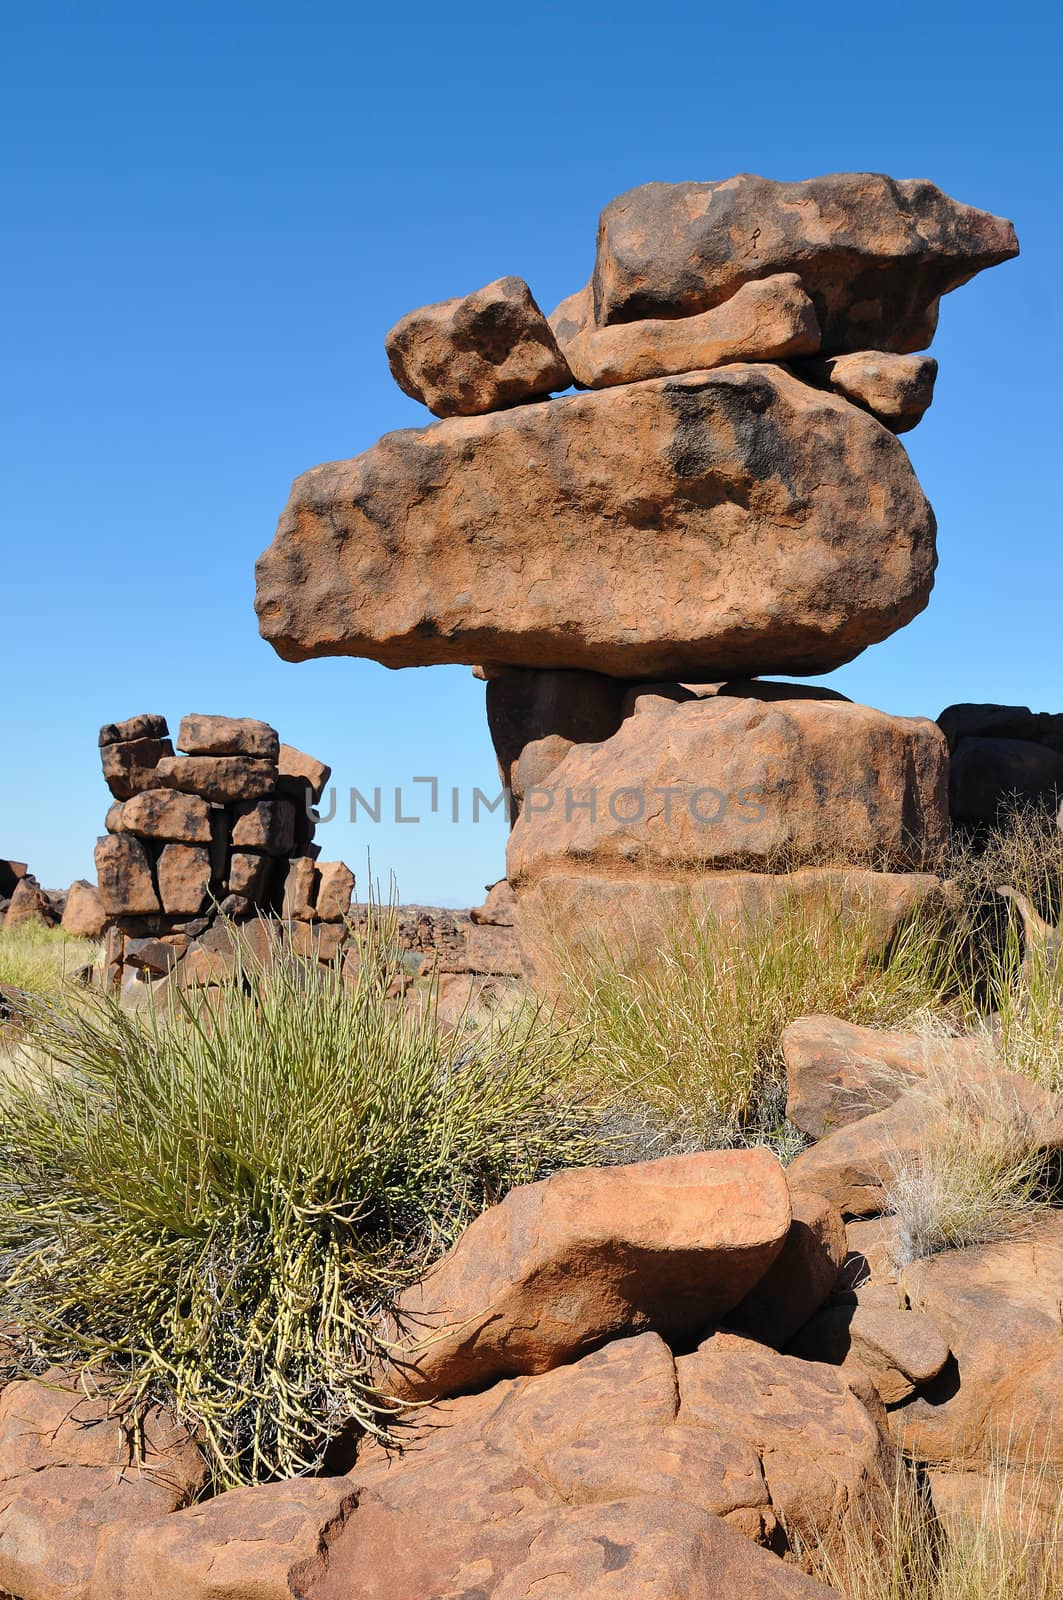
x=895 y=389
x=266 y=825
x=130 y=765
x=200 y=735
x=334 y=891
x=29 y=904
x=491 y=349
x=769 y=320
x=300 y=772
x=534 y=1282
x=300 y=890
x=163 y=814
x=973 y=721
x=222 y=779
x=123 y=873
x=799 y=1279
x=249 y=876
x=184 y=877
x=874 y=253
x=144 y=726
x=731 y=521
x=84 y=916
x=742 y=778
x=986 y=774
x=900 y=1350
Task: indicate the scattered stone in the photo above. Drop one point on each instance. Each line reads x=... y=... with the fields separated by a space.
x=163 y=814
x=837 y=1072
x=533 y=1282
x=84 y=916
x=184 y=876
x=895 y=389
x=132 y=765
x=900 y=1350
x=201 y=735
x=494 y=348
x=874 y=254
x=123 y=873
x=799 y=1279
x=335 y=888
x=777 y=556
x=771 y=319
x=224 y=779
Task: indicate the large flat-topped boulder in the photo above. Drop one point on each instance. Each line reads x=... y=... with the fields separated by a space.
x=733 y=521
x=874 y=253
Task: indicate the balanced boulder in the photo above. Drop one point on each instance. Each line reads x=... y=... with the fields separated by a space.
x=895 y=389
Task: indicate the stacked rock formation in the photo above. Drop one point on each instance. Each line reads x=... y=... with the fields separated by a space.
x=1000 y=755
x=727 y=499
x=222 y=832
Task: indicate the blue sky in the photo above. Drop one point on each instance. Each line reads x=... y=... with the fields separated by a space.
x=212 y=215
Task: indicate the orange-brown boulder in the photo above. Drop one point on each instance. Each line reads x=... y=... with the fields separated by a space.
x=588 y=1255
x=334 y=889
x=84 y=916
x=300 y=889
x=895 y=389
x=797 y=535
x=899 y=1349
x=874 y=253
x=69 y=1472
x=771 y=319
x=489 y=350
x=123 y=873
x=184 y=877
x=144 y=726
x=299 y=772
x=998 y=1307
x=838 y=1072
x=223 y=779
x=799 y=1279
x=163 y=814
x=249 y=875
x=130 y=765
x=29 y=904
x=265 y=825
x=201 y=735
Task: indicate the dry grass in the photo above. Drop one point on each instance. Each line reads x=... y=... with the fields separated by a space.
x=41 y=960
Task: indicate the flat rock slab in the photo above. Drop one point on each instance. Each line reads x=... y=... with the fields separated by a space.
x=724 y=522
x=874 y=253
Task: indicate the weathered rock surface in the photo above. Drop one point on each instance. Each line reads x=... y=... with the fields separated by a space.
x=123 y=873
x=838 y=1072
x=985 y=774
x=740 y=779
x=998 y=1306
x=84 y=916
x=980 y=721
x=796 y=536
x=201 y=735
x=899 y=1349
x=164 y=814
x=334 y=890
x=895 y=389
x=298 y=771
x=771 y=319
x=562 y=1265
x=874 y=253
x=492 y=349
x=144 y=726
x=29 y=904
x=68 y=1472
x=249 y=876
x=266 y=825
x=184 y=876
x=130 y=765
x=799 y=1279
x=300 y=890
x=223 y=779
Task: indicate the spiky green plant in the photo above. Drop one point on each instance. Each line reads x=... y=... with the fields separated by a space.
x=217 y=1201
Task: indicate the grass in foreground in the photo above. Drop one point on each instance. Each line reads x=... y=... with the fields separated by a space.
x=685 y=1038
x=219 y=1203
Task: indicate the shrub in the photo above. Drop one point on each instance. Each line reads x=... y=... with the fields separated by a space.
x=684 y=1037
x=218 y=1201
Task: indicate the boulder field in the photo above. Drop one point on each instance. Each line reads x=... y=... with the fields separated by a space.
x=722 y=499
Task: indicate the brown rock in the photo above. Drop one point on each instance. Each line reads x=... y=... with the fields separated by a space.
x=300 y=890
x=875 y=254
x=164 y=814
x=837 y=1072
x=184 y=879
x=84 y=916
x=736 y=780
x=155 y=956
x=249 y=876
x=239 y=1546
x=29 y=904
x=265 y=825
x=536 y=717
x=498 y=910
x=11 y=872
x=223 y=779
x=968 y=1502
x=967 y=721
x=493 y=950
x=562 y=1265
x=799 y=1279
x=132 y=765
x=767 y=320
x=853 y=1165
x=68 y=1472
x=201 y=735
x=317 y=941
x=203 y=969
x=575 y=313
x=143 y=727
x=895 y=389
x=873 y=1248
x=334 y=891
x=796 y=536
x=123 y=873
x=491 y=349
x=985 y=774
x=998 y=1307
x=900 y=1350
x=296 y=767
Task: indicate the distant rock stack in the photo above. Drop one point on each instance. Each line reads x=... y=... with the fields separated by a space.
x=727 y=499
